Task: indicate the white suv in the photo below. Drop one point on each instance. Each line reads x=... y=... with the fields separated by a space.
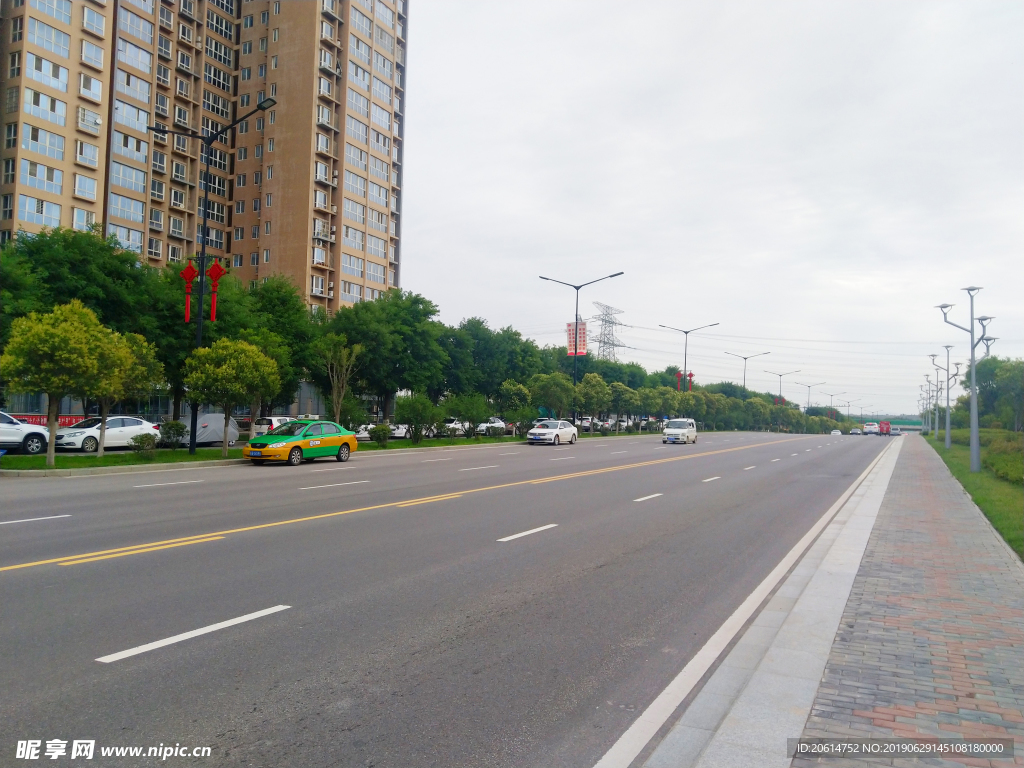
x=680 y=431
x=28 y=438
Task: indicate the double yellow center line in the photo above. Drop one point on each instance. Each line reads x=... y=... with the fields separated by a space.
x=138 y=549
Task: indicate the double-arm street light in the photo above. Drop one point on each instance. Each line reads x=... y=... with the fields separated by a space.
x=207 y=140
x=972 y=291
x=808 y=389
x=780 y=375
x=686 y=343
x=830 y=397
x=576 y=321
x=848 y=404
x=950 y=380
x=745 y=358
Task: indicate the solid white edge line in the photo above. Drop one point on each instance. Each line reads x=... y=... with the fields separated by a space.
x=32 y=519
x=187 y=635
x=645 y=498
x=718 y=477
x=643 y=729
x=527 y=533
x=332 y=485
x=179 y=482
x=514 y=453
x=470 y=469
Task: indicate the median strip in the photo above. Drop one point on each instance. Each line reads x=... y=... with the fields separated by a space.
x=151 y=546
x=188 y=635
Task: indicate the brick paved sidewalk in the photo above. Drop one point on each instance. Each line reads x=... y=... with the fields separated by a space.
x=932 y=639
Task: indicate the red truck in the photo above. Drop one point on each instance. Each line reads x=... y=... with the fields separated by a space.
x=884 y=429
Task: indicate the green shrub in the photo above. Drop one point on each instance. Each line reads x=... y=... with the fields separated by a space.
x=495 y=431
x=630 y=430
x=380 y=434
x=144 y=445
x=1005 y=457
x=605 y=431
x=171 y=433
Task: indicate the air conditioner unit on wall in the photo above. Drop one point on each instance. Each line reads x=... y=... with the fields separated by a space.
x=330 y=294
x=334 y=209
x=330 y=285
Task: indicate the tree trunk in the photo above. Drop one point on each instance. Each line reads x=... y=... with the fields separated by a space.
x=254 y=413
x=176 y=407
x=52 y=414
x=224 y=437
x=104 y=410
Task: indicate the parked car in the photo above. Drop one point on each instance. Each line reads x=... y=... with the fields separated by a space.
x=835 y=432
x=462 y=427
x=680 y=431
x=264 y=424
x=27 y=438
x=85 y=435
x=400 y=431
x=553 y=431
x=494 y=421
x=363 y=432
x=210 y=430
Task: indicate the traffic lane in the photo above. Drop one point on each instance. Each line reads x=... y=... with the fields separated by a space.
x=414 y=604
x=163 y=513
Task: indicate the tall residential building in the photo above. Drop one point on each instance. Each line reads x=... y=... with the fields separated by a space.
x=310 y=188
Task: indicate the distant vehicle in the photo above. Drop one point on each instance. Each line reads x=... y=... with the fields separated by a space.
x=836 y=432
x=553 y=431
x=494 y=421
x=210 y=429
x=264 y=424
x=884 y=428
x=28 y=438
x=85 y=435
x=461 y=427
x=585 y=423
x=896 y=432
x=871 y=428
x=680 y=431
x=855 y=431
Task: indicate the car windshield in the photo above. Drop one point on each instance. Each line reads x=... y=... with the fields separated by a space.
x=548 y=425
x=87 y=424
x=677 y=425
x=291 y=429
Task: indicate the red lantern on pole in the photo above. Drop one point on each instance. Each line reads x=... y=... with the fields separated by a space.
x=215 y=273
x=188 y=274
x=679 y=380
x=690 y=375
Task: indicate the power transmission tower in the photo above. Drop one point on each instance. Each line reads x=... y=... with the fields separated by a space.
x=607 y=341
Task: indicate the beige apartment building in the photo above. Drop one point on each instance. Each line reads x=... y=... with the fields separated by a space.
x=310 y=188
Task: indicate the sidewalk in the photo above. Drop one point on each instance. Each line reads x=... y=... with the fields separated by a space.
x=905 y=619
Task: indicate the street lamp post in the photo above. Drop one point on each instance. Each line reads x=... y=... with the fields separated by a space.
x=809 y=390
x=848 y=404
x=938 y=391
x=207 y=140
x=950 y=379
x=576 y=320
x=780 y=375
x=830 y=396
x=686 y=343
x=745 y=358
x=972 y=291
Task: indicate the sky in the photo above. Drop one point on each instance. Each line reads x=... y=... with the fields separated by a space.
x=813 y=176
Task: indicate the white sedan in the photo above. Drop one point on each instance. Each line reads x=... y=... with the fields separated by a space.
x=553 y=432
x=836 y=432
x=494 y=421
x=85 y=435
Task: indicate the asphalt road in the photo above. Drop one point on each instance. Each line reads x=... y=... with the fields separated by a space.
x=413 y=635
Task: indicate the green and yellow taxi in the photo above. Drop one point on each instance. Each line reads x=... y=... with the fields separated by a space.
x=302 y=440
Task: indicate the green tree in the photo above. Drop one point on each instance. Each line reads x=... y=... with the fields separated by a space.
x=623 y=400
x=277 y=306
x=418 y=412
x=275 y=347
x=56 y=354
x=552 y=391
x=512 y=397
x=592 y=395
x=229 y=373
x=668 y=401
x=335 y=363
x=650 y=401
x=472 y=409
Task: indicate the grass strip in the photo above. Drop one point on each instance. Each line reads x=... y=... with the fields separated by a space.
x=118 y=459
x=1002 y=502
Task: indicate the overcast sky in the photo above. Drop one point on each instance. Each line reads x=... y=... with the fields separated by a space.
x=814 y=176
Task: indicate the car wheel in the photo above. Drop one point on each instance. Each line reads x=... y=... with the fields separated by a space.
x=343 y=453
x=664 y=442
x=295 y=457
x=90 y=445
x=230 y=443
x=555 y=441
x=259 y=462
x=33 y=445
x=572 y=439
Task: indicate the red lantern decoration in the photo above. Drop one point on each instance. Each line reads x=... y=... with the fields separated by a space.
x=188 y=274
x=679 y=381
x=690 y=375
x=215 y=273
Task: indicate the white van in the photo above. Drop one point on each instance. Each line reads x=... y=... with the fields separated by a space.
x=680 y=431
x=262 y=425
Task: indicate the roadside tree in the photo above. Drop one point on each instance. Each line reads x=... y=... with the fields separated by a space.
x=553 y=391
x=334 y=361
x=418 y=413
x=592 y=395
x=229 y=373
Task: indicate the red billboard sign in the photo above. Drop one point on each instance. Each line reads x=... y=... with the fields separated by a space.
x=576 y=338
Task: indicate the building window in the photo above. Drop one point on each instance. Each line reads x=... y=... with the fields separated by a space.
x=378 y=194
x=9 y=168
x=93 y=22
x=239 y=233
x=7 y=207
x=44 y=106
x=240 y=180
x=16 y=29
x=39 y=176
x=157 y=189
x=37 y=211
x=375 y=273
x=82 y=219
x=85 y=187
x=362 y=24
x=15 y=64
x=352 y=237
x=87 y=154
x=352 y=265
x=239 y=206
x=45 y=71
x=266 y=227
x=130 y=239
x=90 y=87
x=236 y=260
x=174 y=253
x=43 y=142
x=354 y=211
x=128 y=177
x=358 y=103
x=155 y=248
x=156 y=219
x=358 y=76
x=46 y=37
x=126 y=208
x=266 y=255
x=356 y=129
x=131 y=54
x=354 y=183
x=255 y=231
x=133 y=86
